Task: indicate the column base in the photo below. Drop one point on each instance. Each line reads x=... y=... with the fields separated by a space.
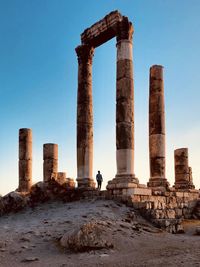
x=122 y=184
x=184 y=185
x=86 y=183
x=158 y=183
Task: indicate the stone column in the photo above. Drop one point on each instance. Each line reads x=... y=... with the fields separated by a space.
x=85 y=117
x=50 y=165
x=125 y=103
x=157 y=128
x=183 y=177
x=25 y=160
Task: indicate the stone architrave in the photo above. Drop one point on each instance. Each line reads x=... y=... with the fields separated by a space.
x=157 y=128
x=183 y=174
x=50 y=164
x=85 y=117
x=25 y=160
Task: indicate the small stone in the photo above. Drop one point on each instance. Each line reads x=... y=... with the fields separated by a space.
x=29 y=259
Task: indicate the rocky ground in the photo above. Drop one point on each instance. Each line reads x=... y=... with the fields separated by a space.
x=32 y=237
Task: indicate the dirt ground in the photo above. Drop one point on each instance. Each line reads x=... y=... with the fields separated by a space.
x=31 y=238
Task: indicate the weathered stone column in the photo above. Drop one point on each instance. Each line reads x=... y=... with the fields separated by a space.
x=85 y=117
x=157 y=128
x=25 y=160
x=50 y=165
x=125 y=103
x=183 y=177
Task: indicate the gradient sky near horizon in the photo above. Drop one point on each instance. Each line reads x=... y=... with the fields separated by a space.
x=38 y=81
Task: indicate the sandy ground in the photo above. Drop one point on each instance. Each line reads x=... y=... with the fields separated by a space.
x=30 y=238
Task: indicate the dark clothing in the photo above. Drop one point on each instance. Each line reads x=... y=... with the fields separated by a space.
x=99 y=180
x=99 y=185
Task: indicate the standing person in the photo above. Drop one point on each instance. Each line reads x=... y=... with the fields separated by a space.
x=99 y=179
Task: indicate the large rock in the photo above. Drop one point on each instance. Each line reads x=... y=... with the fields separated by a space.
x=13 y=202
x=89 y=236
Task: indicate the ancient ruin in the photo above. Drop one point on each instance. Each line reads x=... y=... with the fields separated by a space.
x=50 y=165
x=25 y=160
x=163 y=205
x=183 y=173
x=157 y=128
x=113 y=25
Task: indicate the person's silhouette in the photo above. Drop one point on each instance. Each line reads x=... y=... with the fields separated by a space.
x=99 y=179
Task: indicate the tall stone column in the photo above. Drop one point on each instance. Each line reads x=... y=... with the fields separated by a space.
x=125 y=103
x=157 y=128
x=85 y=117
x=50 y=164
x=25 y=160
x=183 y=179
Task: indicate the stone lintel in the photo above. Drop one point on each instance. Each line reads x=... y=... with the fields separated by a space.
x=102 y=31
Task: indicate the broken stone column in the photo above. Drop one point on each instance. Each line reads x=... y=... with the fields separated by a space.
x=85 y=117
x=50 y=164
x=183 y=177
x=25 y=159
x=157 y=128
x=61 y=177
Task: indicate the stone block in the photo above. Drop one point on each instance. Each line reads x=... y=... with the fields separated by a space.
x=25 y=170
x=181 y=169
x=125 y=135
x=136 y=198
x=141 y=191
x=50 y=151
x=85 y=113
x=125 y=89
x=171 y=214
x=179 y=194
x=157 y=145
x=157 y=123
x=178 y=212
x=156 y=72
x=156 y=103
x=124 y=111
x=124 y=69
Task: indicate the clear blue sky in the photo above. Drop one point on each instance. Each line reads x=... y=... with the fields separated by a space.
x=38 y=80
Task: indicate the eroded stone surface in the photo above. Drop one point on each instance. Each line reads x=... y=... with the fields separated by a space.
x=157 y=128
x=25 y=159
x=50 y=164
x=183 y=175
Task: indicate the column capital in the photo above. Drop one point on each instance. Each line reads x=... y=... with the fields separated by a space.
x=125 y=30
x=85 y=53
